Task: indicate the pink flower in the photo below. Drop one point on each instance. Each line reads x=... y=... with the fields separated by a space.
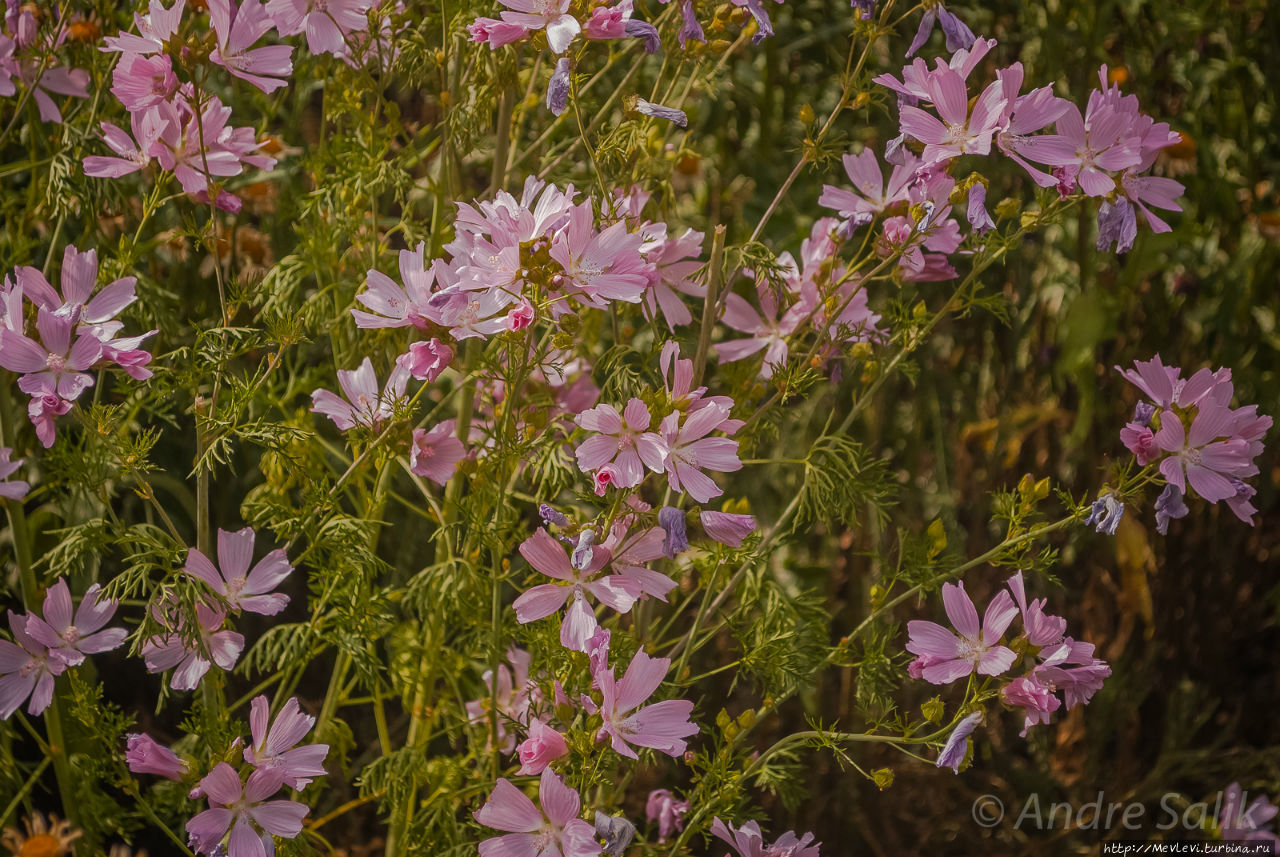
x=1024 y=114
x=273 y=748
x=1034 y=698
x=1070 y=667
x=144 y=756
x=1141 y=441
x=141 y=82
x=237 y=30
x=599 y=266
x=326 y=23
x=955 y=131
x=604 y=477
x=553 y=829
x=239 y=587
x=768 y=331
x=426 y=360
x=662 y=807
x=1208 y=457
x=155 y=29
x=365 y=405
x=662 y=726
x=134 y=151
x=13 y=489
x=168 y=650
x=54 y=366
x=515 y=694
x=1093 y=145
x=243 y=809
x=690 y=451
x=630 y=553
x=78 y=302
x=975 y=649
x=1165 y=386
x=495 y=33
x=864 y=171
x=72 y=82
x=71 y=637
x=543 y=746
x=621 y=439
x=728 y=529
x=674 y=261
x=520 y=316
x=435 y=453
x=1039 y=628
x=546 y=555
x=43 y=412
x=551 y=15
x=27 y=669
x=748 y=841
x=394 y=306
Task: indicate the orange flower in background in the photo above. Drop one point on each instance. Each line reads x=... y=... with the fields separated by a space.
x=51 y=838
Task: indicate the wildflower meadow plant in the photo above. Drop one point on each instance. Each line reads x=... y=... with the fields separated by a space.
x=413 y=438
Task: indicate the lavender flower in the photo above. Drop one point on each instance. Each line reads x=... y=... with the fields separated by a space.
x=644 y=30
x=689 y=28
x=615 y=833
x=957 y=745
x=636 y=104
x=558 y=87
x=1170 y=505
x=672 y=522
x=1105 y=514
x=1117 y=225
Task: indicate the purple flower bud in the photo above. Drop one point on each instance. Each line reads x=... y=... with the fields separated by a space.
x=1117 y=224
x=1170 y=505
x=895 y=151
x=582 y=551
x=1143 y=412
x=764 y=27
x=615 y=832
x=728 y=529
x=1066 y=181
x=636 y=104
x=979 y=220
x=1105 y=514
x=690 y=29
x=144 y=756
x=957 y=745
x=929 y=209
x=958 y=35
x=644 y=30
x=865 y=8
x=552 y=516
x=672 y=522
x=927 y=20
x=558 y=87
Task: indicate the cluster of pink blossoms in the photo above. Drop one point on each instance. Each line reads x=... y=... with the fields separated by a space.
x=242 y=817
x=48 y=644
x=29 y=57
x=1188 y=426
x=1058 y=664
x=189 y=652
x=186 y=130
x=810 y=287
x=75 y=331
x=622 y=446
x=1103 y=152
x=624 y=719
